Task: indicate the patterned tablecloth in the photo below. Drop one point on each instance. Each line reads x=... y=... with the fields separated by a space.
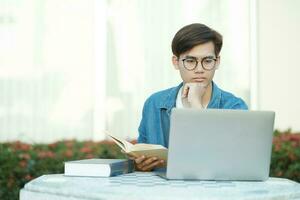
x=148 y=185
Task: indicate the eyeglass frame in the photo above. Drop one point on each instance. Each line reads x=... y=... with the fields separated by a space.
x=197 y=62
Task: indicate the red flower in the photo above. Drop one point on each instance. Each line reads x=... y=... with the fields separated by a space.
x=89 y=143
x=277 y=147
x=86 y=150
x=68 y=154
x=295 y=137
x=21 y=146
x=53 y=145
x=284 y=137
x=279 y=173
x=23 y=164
x=89 y=156
x=69 y=143
x=46 y=154
x=28 y=177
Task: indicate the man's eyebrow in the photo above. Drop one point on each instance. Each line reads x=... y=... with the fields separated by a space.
x=190 y=57
x=193 y=57
x=209 y=57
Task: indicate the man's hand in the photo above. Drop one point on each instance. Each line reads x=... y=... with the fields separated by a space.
x=192 y=94
x=142 y=163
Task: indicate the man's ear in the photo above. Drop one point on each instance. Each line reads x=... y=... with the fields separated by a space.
x=218 y=62
x=175 y=62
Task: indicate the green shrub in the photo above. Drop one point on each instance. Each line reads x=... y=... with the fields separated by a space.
x=285 y=160
x=20 y=162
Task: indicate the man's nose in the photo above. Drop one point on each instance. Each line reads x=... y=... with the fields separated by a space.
x=199 y=68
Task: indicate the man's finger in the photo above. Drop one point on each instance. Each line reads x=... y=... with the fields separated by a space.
x=140 y=159
x=138 y=167
x=185 y=90
x=151 y=166
x=148 y=161
x=162 y=163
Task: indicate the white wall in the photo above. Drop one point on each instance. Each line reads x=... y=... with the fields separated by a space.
x=278 y=61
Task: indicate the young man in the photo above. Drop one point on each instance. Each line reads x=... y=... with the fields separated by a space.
x=196 y=50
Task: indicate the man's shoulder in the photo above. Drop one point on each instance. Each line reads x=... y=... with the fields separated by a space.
x=162 y=93
x=230 y=101
x=228 y=95
x=163 y=96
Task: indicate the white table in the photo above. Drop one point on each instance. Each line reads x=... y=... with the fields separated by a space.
x=148 y=185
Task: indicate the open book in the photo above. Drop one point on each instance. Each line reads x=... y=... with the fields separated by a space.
x=148 y=150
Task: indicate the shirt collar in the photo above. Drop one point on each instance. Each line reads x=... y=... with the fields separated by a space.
x=170 y=100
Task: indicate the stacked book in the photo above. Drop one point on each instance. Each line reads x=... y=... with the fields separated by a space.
x=98 y=167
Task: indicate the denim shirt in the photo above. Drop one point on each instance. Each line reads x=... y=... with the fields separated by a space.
x=155 y=124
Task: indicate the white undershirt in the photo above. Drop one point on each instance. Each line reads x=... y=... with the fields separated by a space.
x=179 y=99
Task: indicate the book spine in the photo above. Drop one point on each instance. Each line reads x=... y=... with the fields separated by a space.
x=122 y=168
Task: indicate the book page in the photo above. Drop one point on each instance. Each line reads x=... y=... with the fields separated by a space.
x=123 y=144
x=142 y=146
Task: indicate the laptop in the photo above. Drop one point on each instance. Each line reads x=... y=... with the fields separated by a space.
x=216 y=144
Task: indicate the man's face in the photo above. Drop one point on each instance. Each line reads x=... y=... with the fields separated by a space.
x=202 y=52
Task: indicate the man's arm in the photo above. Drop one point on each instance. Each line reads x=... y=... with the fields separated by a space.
x=143 y=163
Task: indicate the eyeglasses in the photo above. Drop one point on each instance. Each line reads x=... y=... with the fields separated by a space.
x=208 y=63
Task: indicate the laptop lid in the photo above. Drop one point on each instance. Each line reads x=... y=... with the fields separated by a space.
x=220 y=144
